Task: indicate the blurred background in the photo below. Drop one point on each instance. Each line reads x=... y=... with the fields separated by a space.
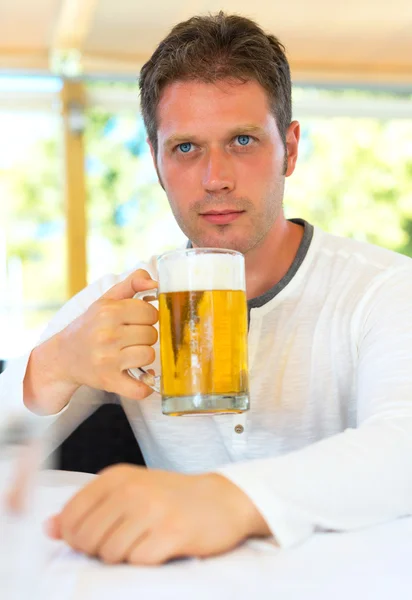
x=78 y=193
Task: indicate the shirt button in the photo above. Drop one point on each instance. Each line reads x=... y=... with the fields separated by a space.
x=239 y=429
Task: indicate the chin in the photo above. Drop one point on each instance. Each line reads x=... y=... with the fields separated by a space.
x=214 y=242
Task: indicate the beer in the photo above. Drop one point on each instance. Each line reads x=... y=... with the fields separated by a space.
x=203 y=332
x=203 y=338
x=203 y=345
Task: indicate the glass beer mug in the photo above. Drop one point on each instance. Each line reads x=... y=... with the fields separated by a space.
x=203 y=332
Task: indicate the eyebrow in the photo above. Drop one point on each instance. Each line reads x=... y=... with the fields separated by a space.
x=180 y=138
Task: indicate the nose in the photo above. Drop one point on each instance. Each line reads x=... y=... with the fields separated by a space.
x=218 y=175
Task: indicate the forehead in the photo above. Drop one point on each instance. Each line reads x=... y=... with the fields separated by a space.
x=195 y=106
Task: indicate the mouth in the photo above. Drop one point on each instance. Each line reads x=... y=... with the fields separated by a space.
x=221 y=217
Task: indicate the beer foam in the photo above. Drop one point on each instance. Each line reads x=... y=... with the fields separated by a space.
x=198 y=272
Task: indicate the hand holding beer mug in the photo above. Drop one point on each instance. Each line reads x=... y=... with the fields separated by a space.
x=203 y=332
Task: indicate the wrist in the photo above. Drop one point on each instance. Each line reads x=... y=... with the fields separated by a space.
x=46 y=387
x=61 y=363
x=251 y=522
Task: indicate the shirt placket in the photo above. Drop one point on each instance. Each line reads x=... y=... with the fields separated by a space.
x=235 y=428
x=239 y=435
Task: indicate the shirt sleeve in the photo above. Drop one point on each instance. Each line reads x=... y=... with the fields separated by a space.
x=85 y=400
x=361 y=476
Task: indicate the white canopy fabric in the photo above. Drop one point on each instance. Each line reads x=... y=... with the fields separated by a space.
x=365 y=41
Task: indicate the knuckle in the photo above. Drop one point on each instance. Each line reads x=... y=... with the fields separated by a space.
x=175 y=528
x=107 y=310
x=105 y=337
x=103 y=360
x=116 y=472
x=129 y=494
x=98 y=356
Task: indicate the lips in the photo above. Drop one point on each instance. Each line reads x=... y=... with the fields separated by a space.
x=221 y=212
x=222 y=217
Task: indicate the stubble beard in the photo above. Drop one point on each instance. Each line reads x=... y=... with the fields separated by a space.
x=205 y=235
x=260 y=224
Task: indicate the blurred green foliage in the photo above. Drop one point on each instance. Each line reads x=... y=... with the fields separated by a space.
x=354 y=178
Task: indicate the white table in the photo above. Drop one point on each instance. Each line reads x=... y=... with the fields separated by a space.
x=373 y=564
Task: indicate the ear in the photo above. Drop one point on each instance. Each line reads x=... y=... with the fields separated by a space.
x=292 y=143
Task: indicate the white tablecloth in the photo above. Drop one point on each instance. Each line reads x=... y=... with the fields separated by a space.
x=371 y=564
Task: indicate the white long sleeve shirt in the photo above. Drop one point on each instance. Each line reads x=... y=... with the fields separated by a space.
x=327 y=442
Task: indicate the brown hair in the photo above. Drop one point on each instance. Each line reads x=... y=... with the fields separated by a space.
x=211 y=48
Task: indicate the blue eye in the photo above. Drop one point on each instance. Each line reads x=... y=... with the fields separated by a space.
x=185 y=147
x=243 y=139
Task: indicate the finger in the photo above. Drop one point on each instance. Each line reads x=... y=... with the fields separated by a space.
x=127 y=312
x=52 y=527
x=116 y=547
x=132 y=388
x=137 y=335
x=154 y=549
x=85 y=501
x=136 y=356
x=138 y=312
x=99 y=524
x=136 y=282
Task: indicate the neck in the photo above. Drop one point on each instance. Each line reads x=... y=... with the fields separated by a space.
x=267 y=263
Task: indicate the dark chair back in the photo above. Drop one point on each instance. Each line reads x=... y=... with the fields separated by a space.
x=103 y=439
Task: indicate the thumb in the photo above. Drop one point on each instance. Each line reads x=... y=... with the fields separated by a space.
x=138 y=281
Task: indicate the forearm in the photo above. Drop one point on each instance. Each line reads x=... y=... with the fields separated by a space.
x=46 y=390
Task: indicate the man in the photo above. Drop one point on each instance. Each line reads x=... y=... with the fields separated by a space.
x=327 y=443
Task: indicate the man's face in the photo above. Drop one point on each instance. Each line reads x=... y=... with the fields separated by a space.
x=221 y=162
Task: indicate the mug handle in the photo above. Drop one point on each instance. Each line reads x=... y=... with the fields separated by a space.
x=153 y=381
